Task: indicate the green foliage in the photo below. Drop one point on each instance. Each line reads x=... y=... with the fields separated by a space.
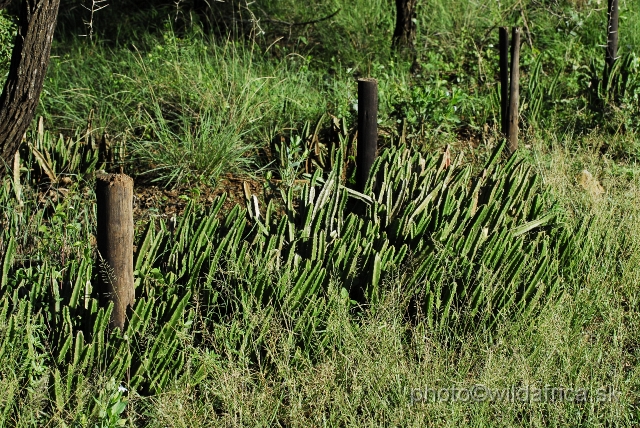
x=614 y=93
x=430 y=219
x=8 y=30
x=291 y=157
x=53 y=157
x=447 y=229
x=323 y=306
x=115 y=405
x=188 y=107
x=432 y=106
x=183 y=110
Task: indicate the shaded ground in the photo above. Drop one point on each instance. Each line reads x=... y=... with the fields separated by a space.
x=155 y=201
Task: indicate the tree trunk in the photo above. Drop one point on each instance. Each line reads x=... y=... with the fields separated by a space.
x=29 y=61
x=203 y=9
x=405 y=32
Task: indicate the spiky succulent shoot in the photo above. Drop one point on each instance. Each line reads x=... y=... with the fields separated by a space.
x=479 y=246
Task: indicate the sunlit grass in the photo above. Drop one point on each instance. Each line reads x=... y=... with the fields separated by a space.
x=190 y=108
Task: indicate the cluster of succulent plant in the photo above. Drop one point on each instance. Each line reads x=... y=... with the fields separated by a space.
x=470 y=246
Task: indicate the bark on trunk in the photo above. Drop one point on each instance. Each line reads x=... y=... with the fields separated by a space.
x=405 y=32
x=29 y=61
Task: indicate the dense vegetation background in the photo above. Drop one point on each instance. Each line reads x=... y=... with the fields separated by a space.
x=295 y=301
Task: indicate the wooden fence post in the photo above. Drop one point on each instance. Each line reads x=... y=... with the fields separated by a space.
x=514 y=95
x=367 y=130
x=114 y=194
x=504 y=79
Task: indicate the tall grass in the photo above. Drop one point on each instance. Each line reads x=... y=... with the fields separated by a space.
x=188 y=110
x=191 y=106
x=370 y=372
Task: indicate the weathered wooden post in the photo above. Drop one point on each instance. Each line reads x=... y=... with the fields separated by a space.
x=367 y=130
x=514 y=94
x=114 y=194
x=504 y=79
x=612 y=33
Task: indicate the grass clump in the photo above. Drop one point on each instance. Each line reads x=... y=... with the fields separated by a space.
x=188 y=111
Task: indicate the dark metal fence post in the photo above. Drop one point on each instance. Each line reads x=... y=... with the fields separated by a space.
x=514 y=95
x=504 y=79
x=612 y=33
x=367 y=130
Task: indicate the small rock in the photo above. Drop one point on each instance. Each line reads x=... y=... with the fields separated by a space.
x=590 y=184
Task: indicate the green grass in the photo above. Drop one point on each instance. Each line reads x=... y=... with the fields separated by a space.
x=367 y=375
x=254 y=364
x=246 y=319
x=214 y=103
x=187 y=110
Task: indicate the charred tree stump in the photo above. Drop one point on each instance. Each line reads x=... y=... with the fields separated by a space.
x=114 y=194
x=504 y=80
x=367 y=130
x=405 y=31
x=514 y=93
